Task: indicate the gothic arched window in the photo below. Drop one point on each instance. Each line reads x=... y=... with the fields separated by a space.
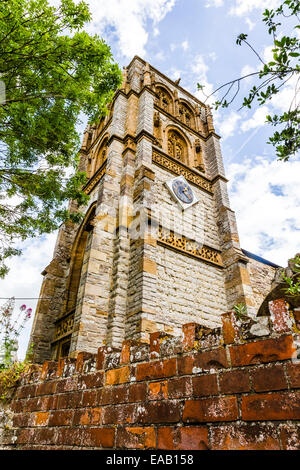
x=164 y=99
x=186 y=115
x=77 y=259
x=177 y=147
x=95 y=162
x=101 y=155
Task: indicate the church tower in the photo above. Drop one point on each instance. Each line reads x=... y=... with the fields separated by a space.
x=158 y=246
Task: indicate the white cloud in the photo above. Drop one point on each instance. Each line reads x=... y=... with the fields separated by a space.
x=156 y=32
x=247 y=70
x=127 y=21
x=250 y=24
x=228 y=125
x=185 y=45
x=244 y=7
x=214 y=3
x=212 y=56
x=265 y=195
x=287 y=97
x=199 y=68
x=258 y=119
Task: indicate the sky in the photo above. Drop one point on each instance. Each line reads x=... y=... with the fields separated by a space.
x=196 y=41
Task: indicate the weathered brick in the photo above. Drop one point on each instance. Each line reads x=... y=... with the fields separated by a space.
x=22 y=420
x=125 y=352
x=229 y=328
x=273 y=406
x=185 y=364
x=183 y=438
x=98 y=437
x=158 y=412
x=210 y=410
x=89 y=398
x=81 y=357
x=88 y=416
x=92 y=380
x=43 y=436
x=121 y=414
x=41 y=418
x=158 y=390
x=114 y=395
x=293 y=371
x=156 y=370
x=189 y=335
x=69 y=400
x=46 y=388
x=290 y=437
x=69 y=436
x=210 y=360
x=31 y=404
x=280 y=316
x=117 y=376
x=268 y=378
x=61 y=418
x=137 y=392
x=245 y=437
x=205 y=385
x=101 y=357
x=155 y=344
x=25 y=435
x=179 y=387
x=269 y=350
x=136 y=438
x=67 y=385
x=46 y=403
x=234 y=381
x=27 y=391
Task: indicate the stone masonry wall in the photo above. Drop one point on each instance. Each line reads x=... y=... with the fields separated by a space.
x=261 y=276
x=233 y=387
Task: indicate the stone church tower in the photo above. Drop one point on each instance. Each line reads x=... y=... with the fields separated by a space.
x=159 y=245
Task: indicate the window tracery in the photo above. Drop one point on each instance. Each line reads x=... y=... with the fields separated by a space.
x=186 y=115
x=177 y=147
x=164 y=99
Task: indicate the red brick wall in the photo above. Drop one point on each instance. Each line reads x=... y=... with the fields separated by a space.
x=211 y=389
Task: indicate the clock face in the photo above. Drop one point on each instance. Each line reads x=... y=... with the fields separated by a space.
x=183 y=191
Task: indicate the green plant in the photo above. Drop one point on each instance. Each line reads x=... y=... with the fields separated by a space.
x=241 y=311
x=11 y=327
x=293 y=282
x=52 y=73
x=272 y=76
x=10 y=376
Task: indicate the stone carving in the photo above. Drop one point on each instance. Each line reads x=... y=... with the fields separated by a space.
x=177 y=147
x=164 y=100
x=95 y=179
x=169 y=238
x=175 y=167
x=186 y=115
x=198 y=160
x=64 y=327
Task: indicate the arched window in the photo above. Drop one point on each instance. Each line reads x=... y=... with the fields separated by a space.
x=77 y=259
x=65 y=323
x=95 y=161
x=177 y=147
x=186 y=115
x=101 y=155
x=164 y=99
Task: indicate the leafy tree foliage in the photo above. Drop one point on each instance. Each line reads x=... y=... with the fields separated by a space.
x=273 y=76
x=51 y=71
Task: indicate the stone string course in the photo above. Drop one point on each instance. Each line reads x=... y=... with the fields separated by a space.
x=233 y=387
